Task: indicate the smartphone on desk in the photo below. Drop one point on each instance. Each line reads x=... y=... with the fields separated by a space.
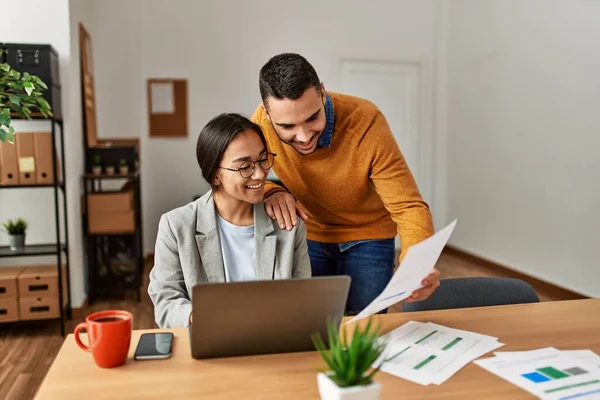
x=153 y=346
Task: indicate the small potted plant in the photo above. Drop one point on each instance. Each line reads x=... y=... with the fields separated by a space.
x=349 y=362
x=16 y=233
x=97 y=167
x=110 y=170
x=123 y=167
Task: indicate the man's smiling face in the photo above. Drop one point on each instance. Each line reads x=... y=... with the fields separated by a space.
x=301 y=122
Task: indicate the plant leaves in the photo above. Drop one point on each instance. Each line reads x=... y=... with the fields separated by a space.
x=15 y=227
x=4 y=120
x=40 y=82
x=11 y=135
x=349 y=359
x=43 y=103
x=5 y=67
x=15 y=99
x=26 y=112
x=29 y=88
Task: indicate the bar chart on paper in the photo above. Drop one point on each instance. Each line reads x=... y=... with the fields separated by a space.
x=548 y=373
x=428 y=353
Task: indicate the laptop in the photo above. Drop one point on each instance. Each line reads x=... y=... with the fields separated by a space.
x=264 y=317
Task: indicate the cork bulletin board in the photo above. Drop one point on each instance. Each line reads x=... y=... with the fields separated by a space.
x=167 y=107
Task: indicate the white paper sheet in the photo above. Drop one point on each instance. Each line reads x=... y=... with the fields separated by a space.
x=428 y=353
x=163 y=101
x=416 y=265
x=586 y=355
x=547 y=373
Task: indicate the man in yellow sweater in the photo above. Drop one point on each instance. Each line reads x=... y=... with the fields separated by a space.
x=339 y=160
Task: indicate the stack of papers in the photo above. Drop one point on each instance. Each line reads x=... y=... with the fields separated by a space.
x=428 y=353
x=549 y=373
x=416 y=266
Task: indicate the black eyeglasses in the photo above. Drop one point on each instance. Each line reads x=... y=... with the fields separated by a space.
x=247 y=168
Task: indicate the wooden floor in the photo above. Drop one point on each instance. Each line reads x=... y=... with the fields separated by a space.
x=28 y=349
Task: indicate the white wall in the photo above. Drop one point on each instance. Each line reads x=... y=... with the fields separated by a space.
x=80 y=11
x=220 y=45
x=523 y=136
x=41 y=21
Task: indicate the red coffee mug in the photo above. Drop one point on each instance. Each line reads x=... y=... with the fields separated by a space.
x=109 y=335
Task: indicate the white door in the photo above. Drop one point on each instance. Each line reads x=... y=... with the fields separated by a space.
x=397 y=89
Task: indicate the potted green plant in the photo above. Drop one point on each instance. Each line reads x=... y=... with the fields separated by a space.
x=123 y=167
x=349 y=362
x=97 y=165
x=21 y=94
x=16 y=233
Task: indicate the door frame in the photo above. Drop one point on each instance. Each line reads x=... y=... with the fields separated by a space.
x=426 y=143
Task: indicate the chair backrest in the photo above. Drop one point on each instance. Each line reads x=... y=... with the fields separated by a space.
x=475 y=292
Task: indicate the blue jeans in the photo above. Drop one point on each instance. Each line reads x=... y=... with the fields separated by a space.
x=370 y=264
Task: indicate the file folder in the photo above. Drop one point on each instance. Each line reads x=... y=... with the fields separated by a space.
x=25 y=158
x=9 y=172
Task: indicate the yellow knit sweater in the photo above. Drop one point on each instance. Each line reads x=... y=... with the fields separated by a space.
x=360 y=187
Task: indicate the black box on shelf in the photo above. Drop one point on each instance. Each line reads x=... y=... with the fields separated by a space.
x=42 y=61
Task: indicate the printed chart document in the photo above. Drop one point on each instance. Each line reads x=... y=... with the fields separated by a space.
x=548 y=373
x=428 y=353
x=586 y=355
x=416 y=265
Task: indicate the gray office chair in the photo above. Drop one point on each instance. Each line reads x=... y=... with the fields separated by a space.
x=475 y=292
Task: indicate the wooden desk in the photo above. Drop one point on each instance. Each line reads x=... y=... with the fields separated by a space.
x=565 y=325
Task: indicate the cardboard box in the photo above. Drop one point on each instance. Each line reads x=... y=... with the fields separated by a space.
x=8 y=282
x=111 y=202
x=9 y=310
x=38 y=308
x=111 y=212
x=112 y=223
x=38 y=281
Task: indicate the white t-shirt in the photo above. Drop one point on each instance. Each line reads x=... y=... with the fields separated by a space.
x=238 y=248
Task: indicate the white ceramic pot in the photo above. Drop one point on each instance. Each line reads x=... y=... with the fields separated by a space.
x=97 y=170
x=16 y=242
x=110 y=170
x=123 y=169
x=330 y=391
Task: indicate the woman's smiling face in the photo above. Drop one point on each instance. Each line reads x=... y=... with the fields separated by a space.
x=244 y=149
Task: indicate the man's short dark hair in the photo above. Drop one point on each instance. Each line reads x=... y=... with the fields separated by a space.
x=287 y=76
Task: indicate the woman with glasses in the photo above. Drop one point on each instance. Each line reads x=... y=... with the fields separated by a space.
x=225 y=235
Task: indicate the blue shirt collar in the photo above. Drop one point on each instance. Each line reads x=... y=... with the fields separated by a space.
x=325 y=139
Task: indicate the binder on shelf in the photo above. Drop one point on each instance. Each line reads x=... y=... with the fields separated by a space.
x=9 y=171
x=25 y=157
x=42 y=145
